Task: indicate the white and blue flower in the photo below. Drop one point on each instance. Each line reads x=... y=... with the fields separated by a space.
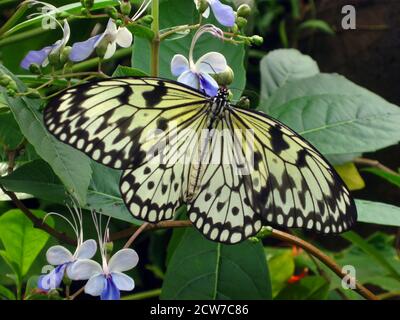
x=41 y=57
x=197 y=74
x=61 y=257
x=108 y=279
x=108 y=40
x=222 y=12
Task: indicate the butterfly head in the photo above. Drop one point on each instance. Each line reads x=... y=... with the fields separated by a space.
x=223 y=94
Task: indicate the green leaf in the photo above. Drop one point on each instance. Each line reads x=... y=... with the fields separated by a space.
x=281 y=267
x=123 y=71
x=62 y=158
x=202 y=269
x=308 y=288
x=35 y=178
x=6 y=293
x=72 y=8
x=10 y=135
x=350 y=176
x=283 y=34
x=374 y=253
x=283 y=65
x=316 y=24
x=22 y=242
x=390 y=177
x=176 y=13
x=327 y=107
x=141 y=31
x=378 y=213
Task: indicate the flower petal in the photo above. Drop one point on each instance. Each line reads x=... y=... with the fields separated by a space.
x=124 y=37
x=53 y=279
x=224 y=13
x=86 y=250
x=123 y=260
x=58 y=255
x=189 y=78
x=122 y=281
x=111 y=48
x=208 y=84
x=36 y=56
x=110 y=291
x=211 y=62
x=206 y=13
x=95 y=285
x=179 y=64
x=111 y=27
x=84 y=269
x=82 y=50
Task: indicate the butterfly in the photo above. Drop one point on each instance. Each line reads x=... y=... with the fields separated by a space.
x=236 y=169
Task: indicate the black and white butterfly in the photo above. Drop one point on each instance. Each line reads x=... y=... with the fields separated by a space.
x=150 y=128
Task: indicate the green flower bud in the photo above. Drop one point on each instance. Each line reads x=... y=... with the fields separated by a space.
x=203 y=5
x=119 y=23
x=85 y=12
x=241 y=22
x=146 y=20
x=54 y=58
x=244 y=10
x=12 y=85
x=54 y=294
x=112 y=12
x=35 y=68
x=243 y=102
x=257 y=40
x=109 y=248
x=235 y=28
x=5 y=79
x=102 y=48
x=126 y=7
x=11 y=92
x=224 y=78
x=64 y=57
x=88 y=3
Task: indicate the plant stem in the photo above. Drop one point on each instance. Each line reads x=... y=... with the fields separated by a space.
x=155 y=43
x=14 y=18
x=135 y=235
x=376 y=164
x=143 y=295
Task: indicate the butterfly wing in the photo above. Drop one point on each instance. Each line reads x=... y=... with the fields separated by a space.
x=118 y=121
x=292 y=184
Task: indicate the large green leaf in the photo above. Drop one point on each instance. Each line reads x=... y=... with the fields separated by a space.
x=22 y=242
x=10 y=135
x=329 y=108
x=283 y=65
x=202 y=269
x=378 y=213
x=70 y=165
x=182 y=12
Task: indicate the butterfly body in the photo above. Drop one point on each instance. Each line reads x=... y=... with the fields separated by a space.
x=235 y=169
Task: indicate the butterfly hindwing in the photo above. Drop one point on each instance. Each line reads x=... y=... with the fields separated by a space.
x=293 y=185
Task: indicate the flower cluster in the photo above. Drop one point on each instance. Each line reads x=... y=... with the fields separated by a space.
x=105 y=280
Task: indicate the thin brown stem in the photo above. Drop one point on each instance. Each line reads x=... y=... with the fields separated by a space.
x=37 y=222
x=135 y=235
x=376 y=164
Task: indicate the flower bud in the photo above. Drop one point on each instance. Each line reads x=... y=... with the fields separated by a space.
x=243 y=102
x=224 y=78
x=241 y=22
x=146 y=20
x=12 y=85
x=5 y=79
x=257 y=40
x=54 y=58
x=109 y=248
x=88 y=4
x=244 y=10
x=112 y=12
x=235 y=28
x=202 y=6
x=11 y=92
x=126 y=7
x=54 y=294
x=64 y=56
x=35 y=68
x=102 y=47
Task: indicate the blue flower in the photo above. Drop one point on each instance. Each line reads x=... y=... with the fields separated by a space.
x=61 y=257
x=40 y=57
x=222 y=12
x=107 y=280
x=197 y=74
x=108 y=40
x=64 y=260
